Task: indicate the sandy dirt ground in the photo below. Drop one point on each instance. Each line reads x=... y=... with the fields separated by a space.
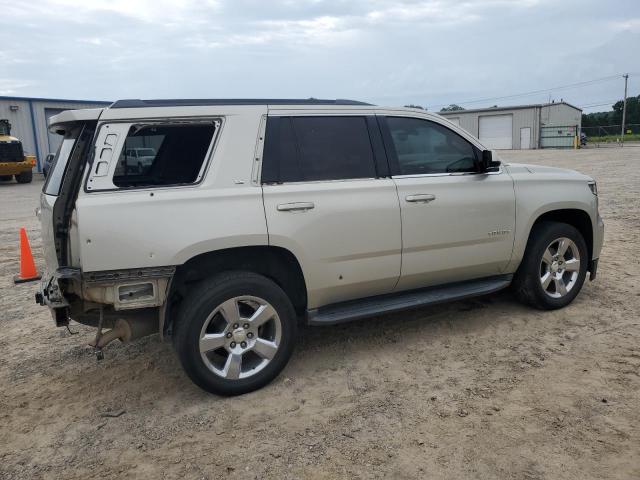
x=485 y=388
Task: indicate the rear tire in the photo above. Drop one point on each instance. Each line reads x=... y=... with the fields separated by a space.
x=554 y=266
x=5 y=178
x=24 y=177
x=235 y=333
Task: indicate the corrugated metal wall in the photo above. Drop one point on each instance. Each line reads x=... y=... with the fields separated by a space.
x=522 y=117
x=560 y=114
x=20 y=122
x=29 y=121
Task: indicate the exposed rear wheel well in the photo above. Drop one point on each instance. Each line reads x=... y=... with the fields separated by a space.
x=579 y=219
x=275 y=263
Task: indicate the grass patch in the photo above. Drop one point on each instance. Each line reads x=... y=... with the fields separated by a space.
x=614 y=138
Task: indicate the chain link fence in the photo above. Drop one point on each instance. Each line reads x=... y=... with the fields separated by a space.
x=610 y=135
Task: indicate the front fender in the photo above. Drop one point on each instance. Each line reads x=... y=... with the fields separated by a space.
x=537 y=195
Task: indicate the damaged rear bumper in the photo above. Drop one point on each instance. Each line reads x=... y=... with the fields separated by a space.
x=52 y=296
x=71 y=293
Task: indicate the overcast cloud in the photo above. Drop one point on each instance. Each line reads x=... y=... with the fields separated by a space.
x=429 y=53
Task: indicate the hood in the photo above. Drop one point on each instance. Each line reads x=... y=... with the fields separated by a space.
x=544 y=170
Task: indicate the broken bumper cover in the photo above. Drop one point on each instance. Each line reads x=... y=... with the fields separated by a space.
x=121 y=290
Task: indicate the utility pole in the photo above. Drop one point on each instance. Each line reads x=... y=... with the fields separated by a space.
x=624 y=106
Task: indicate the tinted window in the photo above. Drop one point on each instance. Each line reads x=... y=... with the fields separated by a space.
x=424 y=147
x=280 y=159
x=155 y=155
x=317 y=148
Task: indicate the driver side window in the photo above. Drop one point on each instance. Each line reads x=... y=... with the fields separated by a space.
x=424 y=147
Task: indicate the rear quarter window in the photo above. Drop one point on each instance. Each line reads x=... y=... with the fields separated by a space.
x=161 y=155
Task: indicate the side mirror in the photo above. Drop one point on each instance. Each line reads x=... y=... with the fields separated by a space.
x=487 y=163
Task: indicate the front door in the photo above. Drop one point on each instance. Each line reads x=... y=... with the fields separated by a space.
x=457 y=224
x=326 y=202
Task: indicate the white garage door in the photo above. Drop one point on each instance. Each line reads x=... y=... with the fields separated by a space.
x=496 y=131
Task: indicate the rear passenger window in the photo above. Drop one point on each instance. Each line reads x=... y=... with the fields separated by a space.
x=317 y=148
x=157 y=155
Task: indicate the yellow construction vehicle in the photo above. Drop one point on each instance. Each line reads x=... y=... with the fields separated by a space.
x=13 y=161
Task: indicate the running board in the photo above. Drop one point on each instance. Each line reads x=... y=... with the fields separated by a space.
x=394 y=302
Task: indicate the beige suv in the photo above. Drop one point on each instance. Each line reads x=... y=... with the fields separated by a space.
x=251 y=216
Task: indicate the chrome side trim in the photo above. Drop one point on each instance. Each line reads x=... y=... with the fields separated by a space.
x=449 y=174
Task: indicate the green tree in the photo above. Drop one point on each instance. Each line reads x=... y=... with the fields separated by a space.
x=415 y=106
x=633 y=111
x=451 y=108
x=614 y=117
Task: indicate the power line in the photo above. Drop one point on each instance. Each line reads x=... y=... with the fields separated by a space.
x=595 y=105
x=534 y=92
x=599 y=103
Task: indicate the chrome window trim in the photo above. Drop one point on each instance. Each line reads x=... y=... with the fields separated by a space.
x=219 y=122
x=334 y=180
x=449 y=174
x=256 y=173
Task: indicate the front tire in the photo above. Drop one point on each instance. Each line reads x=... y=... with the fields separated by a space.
x=554 y=266
x=235 y=333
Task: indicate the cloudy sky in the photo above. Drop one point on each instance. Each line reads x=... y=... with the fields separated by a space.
x=429 y=53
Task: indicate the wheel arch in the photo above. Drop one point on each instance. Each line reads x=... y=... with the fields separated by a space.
x=577 y=218
x=276 y=263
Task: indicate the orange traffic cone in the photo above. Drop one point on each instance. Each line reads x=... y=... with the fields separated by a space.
x=27 y=266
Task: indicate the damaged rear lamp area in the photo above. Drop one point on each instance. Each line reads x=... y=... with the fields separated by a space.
x=136 y=292
x=128 y=289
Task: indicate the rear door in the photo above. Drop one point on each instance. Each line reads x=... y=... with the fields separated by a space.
x=328 y=199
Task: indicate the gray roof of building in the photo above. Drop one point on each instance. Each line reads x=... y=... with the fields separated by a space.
x=56 y=100
x=513 y=107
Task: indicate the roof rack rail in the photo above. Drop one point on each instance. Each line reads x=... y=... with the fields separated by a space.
x=136 y=103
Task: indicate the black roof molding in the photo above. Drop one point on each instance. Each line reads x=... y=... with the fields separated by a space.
x=136 y=103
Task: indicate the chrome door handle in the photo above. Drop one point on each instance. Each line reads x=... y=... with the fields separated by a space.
x=295 y=207
x=420 y=197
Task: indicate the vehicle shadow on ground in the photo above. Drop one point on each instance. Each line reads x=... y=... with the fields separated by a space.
x=319 y=349
x=459 y=315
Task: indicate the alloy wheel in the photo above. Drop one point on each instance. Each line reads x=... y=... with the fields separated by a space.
x=240 y=337
x=560 y=267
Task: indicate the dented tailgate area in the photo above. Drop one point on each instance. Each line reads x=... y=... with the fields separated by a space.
x=88 y=278
x=125 y=301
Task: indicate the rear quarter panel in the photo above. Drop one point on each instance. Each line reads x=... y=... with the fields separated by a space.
x=165 y=226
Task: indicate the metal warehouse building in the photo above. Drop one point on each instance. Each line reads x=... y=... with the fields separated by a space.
x=29 y=118
x=546 y=125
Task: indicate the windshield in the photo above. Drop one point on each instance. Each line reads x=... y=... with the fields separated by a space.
x=59 y=163
x=146 y=152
